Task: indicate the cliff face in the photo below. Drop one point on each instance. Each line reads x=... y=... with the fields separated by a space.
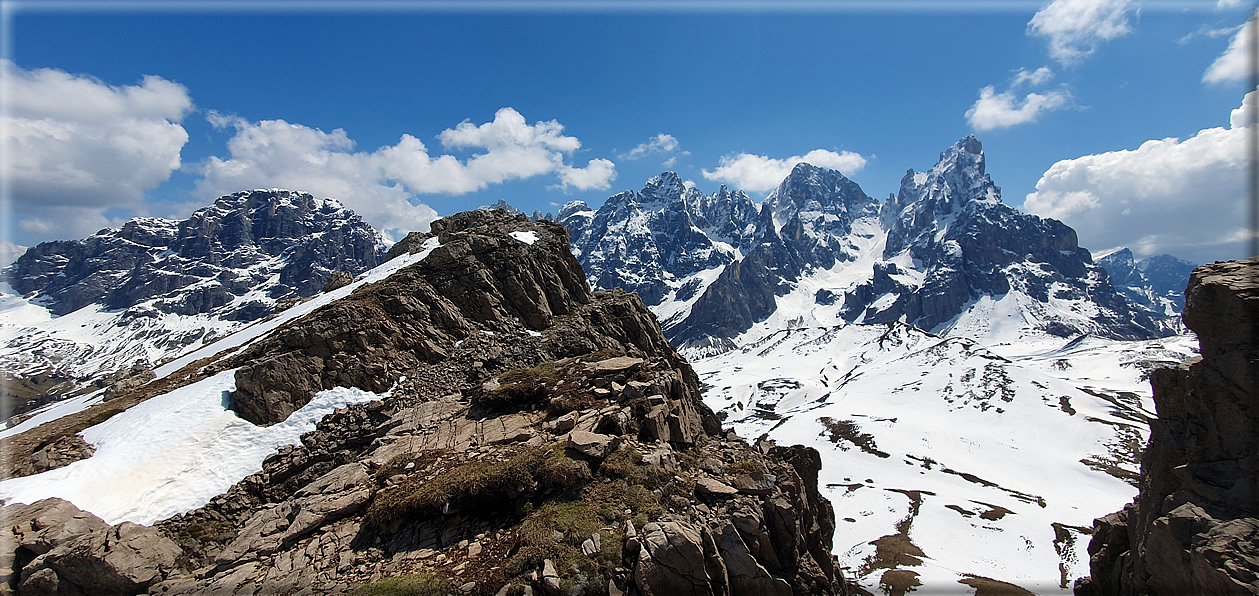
x=1194 y=529
x=535 y=438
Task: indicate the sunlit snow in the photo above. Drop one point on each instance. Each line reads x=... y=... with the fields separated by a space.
x=173 y=453
x=527 y=237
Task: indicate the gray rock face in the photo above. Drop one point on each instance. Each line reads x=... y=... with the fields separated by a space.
x=675 y=560
x=1192 y=529
x=228 y=264
x=648 y=241
x=59 y=549
x=195 y=265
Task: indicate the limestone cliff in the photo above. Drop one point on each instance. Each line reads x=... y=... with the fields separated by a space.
x=1194 y=528
x=537 y=438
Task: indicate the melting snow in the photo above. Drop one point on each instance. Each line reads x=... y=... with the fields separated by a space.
x=173 y=453
x=976 y=433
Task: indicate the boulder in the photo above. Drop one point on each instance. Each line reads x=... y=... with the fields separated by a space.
x=677 y=559
x=592 y=445
x=338 y=280
x=123 y=559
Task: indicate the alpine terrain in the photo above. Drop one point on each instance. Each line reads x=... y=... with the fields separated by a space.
x=80 y=315
x=975 y=383
x=265 y=398
x=467 y=417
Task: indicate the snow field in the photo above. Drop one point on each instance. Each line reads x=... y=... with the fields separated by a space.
x=173 y=453
x=894 y=384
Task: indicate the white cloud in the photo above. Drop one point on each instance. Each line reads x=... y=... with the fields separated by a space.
x=76 y=142
x=1034 y=78
x=1209 y=33
x=381 y=185
x=1001 y=110
x=597 y=175
x=1222 y=4
x=661 y=144
x=1234 y=63
x=1186 y=197
x=1075 y=28
x=758 y=173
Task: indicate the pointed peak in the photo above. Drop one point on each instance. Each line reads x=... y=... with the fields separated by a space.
x=969 y=144
x=664 y=185
x=966 y=154
x=666 y=178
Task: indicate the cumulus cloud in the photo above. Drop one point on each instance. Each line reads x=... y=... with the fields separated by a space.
x=9 y=252
x=1074 y=28
x=1002 y=110
x=597 y=175
x=1186 y=198
x=1222 y=4
x=1034 y=78
x=1234 y=63
x=78 y=145
x=381 y=185
x=759 y=173
x=1010 y=107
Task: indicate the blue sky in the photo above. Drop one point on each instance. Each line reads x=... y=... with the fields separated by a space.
x=415 y=109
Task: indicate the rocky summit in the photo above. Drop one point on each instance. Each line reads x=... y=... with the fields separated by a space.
x=531 y=437
x=1194 y=528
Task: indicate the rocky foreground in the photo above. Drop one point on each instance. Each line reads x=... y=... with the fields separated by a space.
x=538 y=438
x=1194 y=528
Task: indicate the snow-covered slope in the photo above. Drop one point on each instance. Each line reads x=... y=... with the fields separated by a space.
x=945 y=459
x=975 y=383
x=78 y=311
x=176 y=451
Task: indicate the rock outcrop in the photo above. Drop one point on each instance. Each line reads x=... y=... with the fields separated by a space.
x=537 y=438
x=1194 y=528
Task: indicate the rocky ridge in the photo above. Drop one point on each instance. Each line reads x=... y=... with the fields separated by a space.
x=538 y=438
x=1195 y=525
x=155 y=288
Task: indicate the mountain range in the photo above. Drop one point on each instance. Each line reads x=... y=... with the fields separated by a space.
x=939 y=255
x=951 y=359
x=156 y=288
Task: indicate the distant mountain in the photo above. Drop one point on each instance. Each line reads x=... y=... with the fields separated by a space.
x=1155 y=283
x=156 y=287
x=943 y=254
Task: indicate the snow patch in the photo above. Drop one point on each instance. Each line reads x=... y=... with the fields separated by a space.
x=528 y=237
x=173 y=453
